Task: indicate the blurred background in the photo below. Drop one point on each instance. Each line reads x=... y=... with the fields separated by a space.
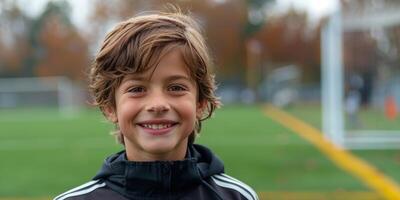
x=265 y=52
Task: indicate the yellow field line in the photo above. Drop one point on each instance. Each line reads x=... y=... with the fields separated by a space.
x=342 y=158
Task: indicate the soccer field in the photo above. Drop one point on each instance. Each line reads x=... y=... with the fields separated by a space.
x=43 y=154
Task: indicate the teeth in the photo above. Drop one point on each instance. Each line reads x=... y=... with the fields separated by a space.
x=157 y=126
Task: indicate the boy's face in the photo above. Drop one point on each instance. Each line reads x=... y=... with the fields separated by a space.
x=156 y=111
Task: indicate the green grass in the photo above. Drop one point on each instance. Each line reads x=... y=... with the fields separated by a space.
x=386 y=160
x=43 y=154
x=269 y=157
x=368 y=118
x=376 y=119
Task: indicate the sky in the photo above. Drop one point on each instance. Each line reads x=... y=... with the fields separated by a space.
x=80 y=9
x=315 y=8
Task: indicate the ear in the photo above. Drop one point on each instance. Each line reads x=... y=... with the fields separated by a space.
x=110 y=113
x=201 y=106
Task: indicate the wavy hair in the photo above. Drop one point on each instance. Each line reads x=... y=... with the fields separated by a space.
x=138 y=44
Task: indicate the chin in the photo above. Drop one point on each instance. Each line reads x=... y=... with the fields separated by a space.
x=159 y=148
x=163 y=150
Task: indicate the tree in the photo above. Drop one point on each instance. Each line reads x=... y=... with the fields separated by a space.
x=289 y=39
x=14 y=42
x=227 y=25
x=61 y=50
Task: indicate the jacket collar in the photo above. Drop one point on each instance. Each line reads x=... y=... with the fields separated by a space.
x=159 y=179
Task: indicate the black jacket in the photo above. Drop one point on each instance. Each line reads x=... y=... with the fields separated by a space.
x=199 y=176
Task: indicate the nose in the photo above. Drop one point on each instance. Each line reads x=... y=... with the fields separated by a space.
x=158 y=108
x=157 y=104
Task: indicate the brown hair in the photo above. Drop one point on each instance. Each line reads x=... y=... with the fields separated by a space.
x=138 y=44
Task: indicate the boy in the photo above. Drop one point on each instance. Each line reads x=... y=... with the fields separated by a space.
x=151 y=79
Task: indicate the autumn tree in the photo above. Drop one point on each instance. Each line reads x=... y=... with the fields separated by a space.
x=226 y=25
x=48 y=45
x=60 y=49
x=14 y=44
x=290 y=39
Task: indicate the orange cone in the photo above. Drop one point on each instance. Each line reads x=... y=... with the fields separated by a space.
x=390 y=108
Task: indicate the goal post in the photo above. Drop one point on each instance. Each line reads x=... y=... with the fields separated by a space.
x=332 y=78
x=41 y=92
x=334 y=123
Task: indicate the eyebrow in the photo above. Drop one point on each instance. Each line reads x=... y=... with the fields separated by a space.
x=144 y=78
x=177 y=77
x=134 y=77
x=131 y=78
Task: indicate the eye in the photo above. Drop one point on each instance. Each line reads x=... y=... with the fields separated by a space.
x=137 y=90
x=177 y=88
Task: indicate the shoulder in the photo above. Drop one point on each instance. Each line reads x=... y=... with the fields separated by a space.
x=234 y=185
x=81 y=190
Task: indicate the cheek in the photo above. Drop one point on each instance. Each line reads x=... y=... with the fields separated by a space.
x=127 y=112
x=187 y=110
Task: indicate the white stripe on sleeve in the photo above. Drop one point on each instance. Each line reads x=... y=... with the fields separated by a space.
x=241 y=184
x=80 y=192
x=77 y=188
x=234 y=187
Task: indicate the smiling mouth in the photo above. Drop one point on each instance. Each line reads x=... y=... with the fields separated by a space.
x=156 y=126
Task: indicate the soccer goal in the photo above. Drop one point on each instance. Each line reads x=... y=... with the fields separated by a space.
x=360 y=77
x=44 y=92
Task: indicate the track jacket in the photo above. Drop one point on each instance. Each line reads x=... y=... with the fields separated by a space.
x=199 y=176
